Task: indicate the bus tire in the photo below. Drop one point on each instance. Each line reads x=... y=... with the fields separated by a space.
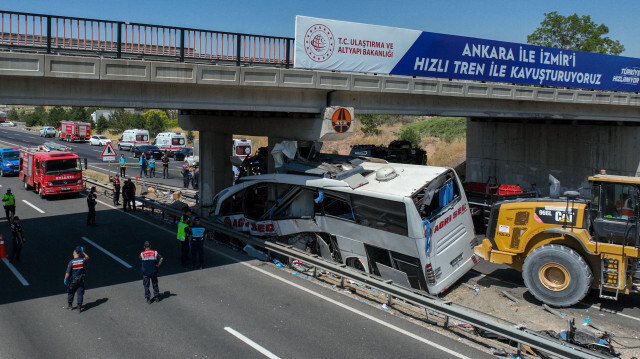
x=557 y=275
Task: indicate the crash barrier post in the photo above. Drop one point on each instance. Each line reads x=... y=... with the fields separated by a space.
x=447 y=309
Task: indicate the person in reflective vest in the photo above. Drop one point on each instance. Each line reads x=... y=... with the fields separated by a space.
x=627 y=210
x=183 y=226
x=74 y=277
x=9 y=201
x=151 y=260
x=196 y=239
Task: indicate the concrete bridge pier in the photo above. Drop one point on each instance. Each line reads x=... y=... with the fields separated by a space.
x=527 y=151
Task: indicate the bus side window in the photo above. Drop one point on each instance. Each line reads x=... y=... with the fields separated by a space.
x=337 y=207
x=233 y=204
x=385 y=215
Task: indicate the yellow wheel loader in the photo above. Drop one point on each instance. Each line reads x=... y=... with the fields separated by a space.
x=566 y=246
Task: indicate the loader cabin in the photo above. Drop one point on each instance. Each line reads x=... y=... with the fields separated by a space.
x=614 y=201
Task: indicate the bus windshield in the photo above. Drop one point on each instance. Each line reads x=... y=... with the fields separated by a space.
x=70 y=165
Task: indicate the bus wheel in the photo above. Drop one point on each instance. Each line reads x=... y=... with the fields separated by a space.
x=557 y=275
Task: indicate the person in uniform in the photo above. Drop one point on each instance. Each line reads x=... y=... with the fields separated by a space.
x=91 y=203
x=17 y=241
x=152 y=167
x=151 y=260
x=165 y=166
x=9 y=200
x=74 y=277
x=116 y=190
x=196 y=239
x=128 y=195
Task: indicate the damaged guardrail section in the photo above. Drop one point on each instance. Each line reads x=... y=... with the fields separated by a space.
x=447 y=308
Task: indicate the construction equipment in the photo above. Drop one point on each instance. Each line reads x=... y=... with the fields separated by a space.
x=564 y=247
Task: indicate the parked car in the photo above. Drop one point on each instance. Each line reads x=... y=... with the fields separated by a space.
x=99 y=140
x=8 y=124
x=48 y=131
x=148 y=150
x=182 y=153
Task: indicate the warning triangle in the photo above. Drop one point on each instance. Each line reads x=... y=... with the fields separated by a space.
x=108 y=151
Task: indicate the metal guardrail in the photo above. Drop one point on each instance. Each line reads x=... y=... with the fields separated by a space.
x=70 y=35
x=447 y=308
x=108 y=188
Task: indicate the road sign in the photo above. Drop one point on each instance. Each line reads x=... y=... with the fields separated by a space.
x=108 y=154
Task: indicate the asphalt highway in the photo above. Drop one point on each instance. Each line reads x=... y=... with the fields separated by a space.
x=18 y=136
x=235 y=307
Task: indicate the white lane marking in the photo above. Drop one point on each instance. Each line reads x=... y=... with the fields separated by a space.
x=108 y=253
x=15 y=272
x=616 y=313
x=355 y=311
x=32 y=206
x=251 y=343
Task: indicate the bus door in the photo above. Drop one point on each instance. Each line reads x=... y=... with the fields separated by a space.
x=448 y=233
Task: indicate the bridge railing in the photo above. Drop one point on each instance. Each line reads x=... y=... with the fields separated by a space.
x=69 y=35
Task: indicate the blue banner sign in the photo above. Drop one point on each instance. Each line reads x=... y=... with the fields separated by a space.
x=345 y=46
x=458 y=57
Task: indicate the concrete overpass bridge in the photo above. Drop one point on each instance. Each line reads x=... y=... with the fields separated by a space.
x=225 y=83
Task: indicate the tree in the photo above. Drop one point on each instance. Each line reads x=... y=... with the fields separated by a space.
x=56 y=115
x=102 y=124
x=37 y=118
x=78 y=114
x=120 y=121
x=190 y=136
x=13 y=116
x=138 y=121
x=574 y=33
x=156 y=121
x=370 y=123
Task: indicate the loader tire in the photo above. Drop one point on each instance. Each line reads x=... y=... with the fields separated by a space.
x=557 y=275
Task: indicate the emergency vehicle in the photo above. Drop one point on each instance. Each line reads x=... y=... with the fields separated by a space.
x=3 y=116
x=132 y=138
x=242 y=148
x=72 y=131
x=50 y=173
x=9 y=161
x=170 y=141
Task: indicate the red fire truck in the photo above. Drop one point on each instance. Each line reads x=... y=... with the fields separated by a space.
x=50 y=173
x=74 y=131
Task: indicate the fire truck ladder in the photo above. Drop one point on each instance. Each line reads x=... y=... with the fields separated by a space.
x=609 y=276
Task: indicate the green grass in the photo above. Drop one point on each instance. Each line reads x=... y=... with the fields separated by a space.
x=445 y=128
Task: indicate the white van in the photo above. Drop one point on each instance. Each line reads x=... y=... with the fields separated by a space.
x=407 y=223
x=132 y=138
x=170 y=141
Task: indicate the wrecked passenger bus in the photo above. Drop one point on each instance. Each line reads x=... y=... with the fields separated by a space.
x=407 y=223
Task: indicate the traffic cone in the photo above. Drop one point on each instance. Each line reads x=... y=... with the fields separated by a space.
x=3 y=252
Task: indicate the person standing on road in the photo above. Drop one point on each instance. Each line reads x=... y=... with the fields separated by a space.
x=152 y=167
x=143 y=165
x=151 y=260
x=196 y=177
x=196 y=239
x=165 y=166
x=91 y=202
x=185 y=176
x=129 y=195
x=123 y=166
x=9 y=201
x=17 y=241
x=116 y=190
x=74 y=277
x=183 y=228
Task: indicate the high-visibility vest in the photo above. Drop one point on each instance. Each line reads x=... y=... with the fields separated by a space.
x=626 y=209
x=182 y=226
x=9 y=199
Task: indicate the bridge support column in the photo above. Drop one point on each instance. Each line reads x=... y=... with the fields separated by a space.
x=215 y=169
x=525 y=152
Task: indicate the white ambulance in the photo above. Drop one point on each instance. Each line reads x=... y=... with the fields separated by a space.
x=170 y=141
x=132 y=138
